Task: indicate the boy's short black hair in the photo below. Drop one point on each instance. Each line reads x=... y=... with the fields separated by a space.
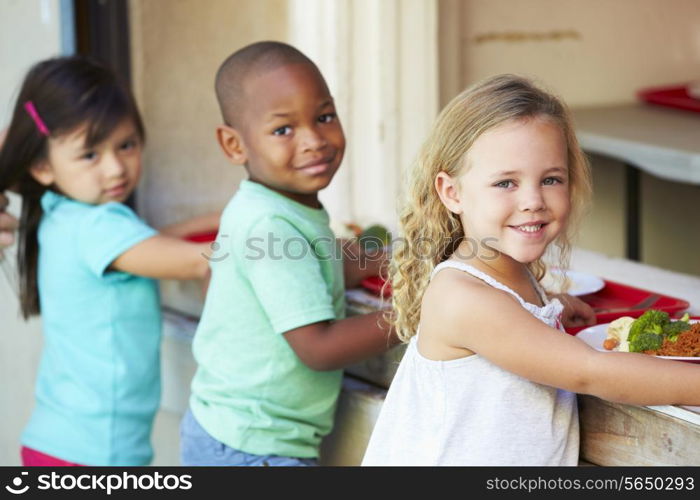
x=251 y=60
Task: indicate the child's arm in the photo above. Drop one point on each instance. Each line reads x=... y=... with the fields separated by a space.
x=358 y=265
x=469 y=315
x=165 y=257
x=168 y=256
x=200 y=224
x=293 y=291
x=332 y=345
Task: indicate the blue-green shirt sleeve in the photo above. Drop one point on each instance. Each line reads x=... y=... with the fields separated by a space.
x=286 y=276
x=107 y=232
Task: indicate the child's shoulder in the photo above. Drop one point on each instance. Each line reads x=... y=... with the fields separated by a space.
x=460 y=311
x=115 y=214
x=92 y=233
x=246 y=211
x=253 y=210
x=453 y=289
x=455 y=298
x=78 y=214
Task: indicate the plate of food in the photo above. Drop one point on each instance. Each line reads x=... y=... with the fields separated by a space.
x=572 y=282
x=653 y=333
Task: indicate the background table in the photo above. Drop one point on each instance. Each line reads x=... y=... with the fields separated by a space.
x=660 y=141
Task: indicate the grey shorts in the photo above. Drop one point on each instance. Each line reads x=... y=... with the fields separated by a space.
x=197 y=447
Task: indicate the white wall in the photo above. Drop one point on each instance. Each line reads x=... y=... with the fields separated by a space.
x=176 y=49
x=380 y=61
x=29 y=31
x=590 y=52
x=20 y=344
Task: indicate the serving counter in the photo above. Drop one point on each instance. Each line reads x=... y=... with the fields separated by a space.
x=611 y=433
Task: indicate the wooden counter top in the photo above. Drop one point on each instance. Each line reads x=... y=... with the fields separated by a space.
x=617 y=434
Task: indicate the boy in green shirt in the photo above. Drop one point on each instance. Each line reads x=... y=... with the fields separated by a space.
x=273 y=337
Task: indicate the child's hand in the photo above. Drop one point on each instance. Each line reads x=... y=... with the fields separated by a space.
x=576 y=312
x=8 y=225
x=359 y=264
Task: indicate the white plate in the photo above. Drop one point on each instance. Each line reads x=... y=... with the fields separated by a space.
x=595 y=335
x=580 y=283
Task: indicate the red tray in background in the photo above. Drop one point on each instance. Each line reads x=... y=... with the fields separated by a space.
x=613 y=301
x=202 y=237
x=374 y=284
x=616 y=300
x=673 y=97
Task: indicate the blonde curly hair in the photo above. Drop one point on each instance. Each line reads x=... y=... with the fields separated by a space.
x=424 y=219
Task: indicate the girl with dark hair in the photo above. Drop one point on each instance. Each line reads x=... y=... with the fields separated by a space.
x=87 y=262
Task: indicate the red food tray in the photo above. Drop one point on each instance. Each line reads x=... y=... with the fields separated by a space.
x=613 y=301
x=674 y=97
x=374 y=284
x=202 y=237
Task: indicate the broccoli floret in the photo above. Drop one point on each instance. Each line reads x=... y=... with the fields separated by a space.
x=675 y=328
x=646 y=341
x=652 y=321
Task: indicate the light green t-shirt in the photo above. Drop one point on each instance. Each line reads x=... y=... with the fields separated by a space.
x=277 y=268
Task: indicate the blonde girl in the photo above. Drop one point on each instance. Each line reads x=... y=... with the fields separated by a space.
x=489 y=377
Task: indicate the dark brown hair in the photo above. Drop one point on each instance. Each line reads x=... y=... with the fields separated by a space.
x=67 y=93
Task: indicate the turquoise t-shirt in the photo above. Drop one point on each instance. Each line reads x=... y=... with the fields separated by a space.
x=98 y=386
x=277 y=268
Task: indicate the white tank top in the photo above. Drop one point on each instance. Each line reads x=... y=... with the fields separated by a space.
x=469 y=411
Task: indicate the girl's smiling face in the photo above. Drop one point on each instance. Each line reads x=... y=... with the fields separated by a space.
x=513 y=194
x=108 y=171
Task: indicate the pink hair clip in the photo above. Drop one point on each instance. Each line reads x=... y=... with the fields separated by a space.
x=29 y=106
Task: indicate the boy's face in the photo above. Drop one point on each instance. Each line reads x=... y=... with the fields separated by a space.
x=290 y=137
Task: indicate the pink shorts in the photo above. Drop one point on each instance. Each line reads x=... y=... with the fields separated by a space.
x=34 y=458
